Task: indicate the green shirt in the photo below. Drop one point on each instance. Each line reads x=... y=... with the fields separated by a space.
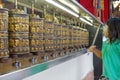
x=111 y=59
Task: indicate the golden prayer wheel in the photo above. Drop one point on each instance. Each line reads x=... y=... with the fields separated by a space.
x=18 y=32
x=4 y=33
x=36 y=33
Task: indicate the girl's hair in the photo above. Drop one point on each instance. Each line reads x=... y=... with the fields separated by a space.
x=113 y=29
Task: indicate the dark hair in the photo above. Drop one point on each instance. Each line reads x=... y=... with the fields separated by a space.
x=113 y=29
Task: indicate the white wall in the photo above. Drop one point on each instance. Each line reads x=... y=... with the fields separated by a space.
x=74 y=69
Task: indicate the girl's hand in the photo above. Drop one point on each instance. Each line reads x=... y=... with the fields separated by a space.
x=92 y=48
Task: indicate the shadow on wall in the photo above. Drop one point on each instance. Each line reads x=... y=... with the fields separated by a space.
x=97 y=63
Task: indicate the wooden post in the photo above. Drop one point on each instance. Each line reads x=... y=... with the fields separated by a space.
x=1 y=4
x=16 y=4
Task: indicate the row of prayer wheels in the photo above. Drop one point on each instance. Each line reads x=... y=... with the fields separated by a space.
x=21 y=33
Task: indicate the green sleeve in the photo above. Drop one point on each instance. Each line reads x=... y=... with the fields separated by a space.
x=118 y=48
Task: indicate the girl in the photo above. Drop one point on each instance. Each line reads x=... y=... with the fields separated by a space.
x=110 y=53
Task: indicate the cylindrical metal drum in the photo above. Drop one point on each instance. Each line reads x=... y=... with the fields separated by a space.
x=82 y=36
x=86 y=38
x=18 y=32
x=74 y=37
x=79 y=37
x=58 y=34
x=77 y=34
x=3 y=33
x=70 y=36
x=49 y=35
x=36 y=33
x=65 y=35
